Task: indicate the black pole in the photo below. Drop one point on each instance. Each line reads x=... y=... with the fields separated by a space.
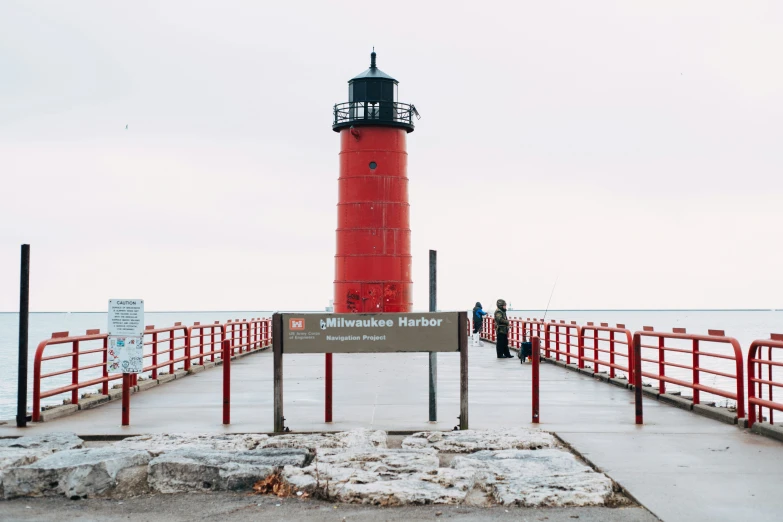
x=433 y=355
x=24 y=312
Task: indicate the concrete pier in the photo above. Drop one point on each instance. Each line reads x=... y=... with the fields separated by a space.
x=679 y=465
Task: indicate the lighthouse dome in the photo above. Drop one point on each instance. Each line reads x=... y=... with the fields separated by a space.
x=372 y=100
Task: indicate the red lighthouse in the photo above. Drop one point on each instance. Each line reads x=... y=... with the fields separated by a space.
x=373 y=260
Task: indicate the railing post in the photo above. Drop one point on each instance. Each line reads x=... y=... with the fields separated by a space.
x=171 y=352
x=696 y=372
x=226 y=383
x=105 y=373
x=536 y=356
x=751 y=385
x=212 y=342
x=187 y=349
x=75 y=373
x=581 y=362
x=611 y=354
x=637 y=377
x=661 y=365
x=155 y=355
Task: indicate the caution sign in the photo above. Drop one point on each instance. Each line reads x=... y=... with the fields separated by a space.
x=126 y=336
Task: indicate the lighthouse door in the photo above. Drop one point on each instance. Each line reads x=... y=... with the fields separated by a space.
x=372 y=298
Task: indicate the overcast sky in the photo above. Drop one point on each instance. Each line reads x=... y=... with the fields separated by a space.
x=632 y=149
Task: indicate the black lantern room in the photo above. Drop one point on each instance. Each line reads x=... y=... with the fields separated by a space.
x=372 y=100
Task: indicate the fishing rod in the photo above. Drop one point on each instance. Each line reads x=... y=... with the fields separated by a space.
x=550 y=298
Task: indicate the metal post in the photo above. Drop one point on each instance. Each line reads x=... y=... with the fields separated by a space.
x=226 y=383
x=433 y=355
x=637 y=377
x=126 y=377
x=24 y=316
x=277 y=348
x=463 y=371
x=328 y=389
x=536 y=359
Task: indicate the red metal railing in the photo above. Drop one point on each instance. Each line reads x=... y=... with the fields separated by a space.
x=174 y=347
x=599 y=350
x=692 y=361
x=563 y=339
x=488 y=329
x=757 y=381
x=165 y=347
x=206 y=341
x=93 y=342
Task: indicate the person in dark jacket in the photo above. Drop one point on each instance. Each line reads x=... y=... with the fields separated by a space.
x=501 y=323
x=478 y=320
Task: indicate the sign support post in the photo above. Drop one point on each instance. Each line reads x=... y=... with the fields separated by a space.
x=125 y=345
x=277 y=348
x=433 y=355
x=463 y=371
x=315 y=333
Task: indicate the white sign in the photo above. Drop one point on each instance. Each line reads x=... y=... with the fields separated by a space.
x=126 y=336
x=126 y=317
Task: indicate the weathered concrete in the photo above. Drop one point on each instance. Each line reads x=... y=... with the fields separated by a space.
x=718 y=414
x=73 y=473
x=59 y=411
x=469 y=441
x=158 y=444
x=537 y=478
x=550 y=477
x=92 y=401
x=357 y=438
x=146 y=384
x=202 y=470
x=166 y=378
x=773 y=431
x=676 y=401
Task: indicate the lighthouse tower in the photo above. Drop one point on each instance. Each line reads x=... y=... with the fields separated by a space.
x=373 y=260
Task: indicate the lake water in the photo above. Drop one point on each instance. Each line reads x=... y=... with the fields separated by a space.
x=745 y=326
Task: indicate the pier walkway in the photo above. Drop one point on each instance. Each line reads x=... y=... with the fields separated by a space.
x=679 y=465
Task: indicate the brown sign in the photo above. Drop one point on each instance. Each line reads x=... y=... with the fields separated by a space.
x=371 y=333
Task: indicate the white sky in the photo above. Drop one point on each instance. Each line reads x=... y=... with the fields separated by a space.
x=632 y=148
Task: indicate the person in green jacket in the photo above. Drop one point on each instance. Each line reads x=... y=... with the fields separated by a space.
x=501 y=323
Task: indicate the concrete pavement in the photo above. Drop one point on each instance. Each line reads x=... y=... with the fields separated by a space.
x=679 y=465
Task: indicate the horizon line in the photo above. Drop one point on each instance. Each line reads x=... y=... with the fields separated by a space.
x=424 y=311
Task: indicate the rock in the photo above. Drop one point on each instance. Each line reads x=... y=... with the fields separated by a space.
x=199 y=470
x=446 y=486
x=28 y=449
x=382 y=477
x=55 y=441
x=158 y=444
x=357 y=438
x=74 y=473
x=468 y=441
x=543 y=478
